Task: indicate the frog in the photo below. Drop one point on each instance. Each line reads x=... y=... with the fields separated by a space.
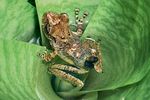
x=81 y=56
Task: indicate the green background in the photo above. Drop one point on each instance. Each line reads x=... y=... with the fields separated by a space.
x=122 y=26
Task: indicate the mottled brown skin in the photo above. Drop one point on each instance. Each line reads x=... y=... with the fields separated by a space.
x=67 y=45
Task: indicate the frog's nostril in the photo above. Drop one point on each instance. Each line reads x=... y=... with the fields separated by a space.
x=93 y=59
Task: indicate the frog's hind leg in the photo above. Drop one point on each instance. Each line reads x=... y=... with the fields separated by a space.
x=59 y=71
x=80 y=21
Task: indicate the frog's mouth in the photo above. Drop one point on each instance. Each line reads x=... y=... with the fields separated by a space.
x=90 y=61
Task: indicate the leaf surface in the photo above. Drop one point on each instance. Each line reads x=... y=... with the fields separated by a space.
x=18 y=20
x=23 y=76
x=123 y=28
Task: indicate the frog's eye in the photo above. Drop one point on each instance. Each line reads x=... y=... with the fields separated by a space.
x=88 y=64
x=90 y=61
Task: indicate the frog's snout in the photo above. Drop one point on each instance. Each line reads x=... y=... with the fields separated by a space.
x=89 y=62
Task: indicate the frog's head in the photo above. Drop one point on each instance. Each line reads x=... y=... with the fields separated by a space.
x=93 y=61
x=86 y=55
x=93 y=57
x=90 y=61
x=56 y=26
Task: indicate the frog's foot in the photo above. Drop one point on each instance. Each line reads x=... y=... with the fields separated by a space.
x=59 y=71
x=80 y=21
x=47 y=56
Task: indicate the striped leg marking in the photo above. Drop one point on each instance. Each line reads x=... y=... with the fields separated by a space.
x=58 y=70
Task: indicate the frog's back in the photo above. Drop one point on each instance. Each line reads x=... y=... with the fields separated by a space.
x=73 y=52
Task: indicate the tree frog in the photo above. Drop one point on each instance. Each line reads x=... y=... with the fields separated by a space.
x=81 y=56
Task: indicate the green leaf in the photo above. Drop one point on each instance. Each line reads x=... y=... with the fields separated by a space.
x=32 y=2
x=23 y=76
x=90 y=96
x=137 y=91
x=18 y=20
x=123 y=28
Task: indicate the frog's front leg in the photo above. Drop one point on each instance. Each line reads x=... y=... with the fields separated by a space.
x=80 y=21
x=47 y=56
x=59 y=71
